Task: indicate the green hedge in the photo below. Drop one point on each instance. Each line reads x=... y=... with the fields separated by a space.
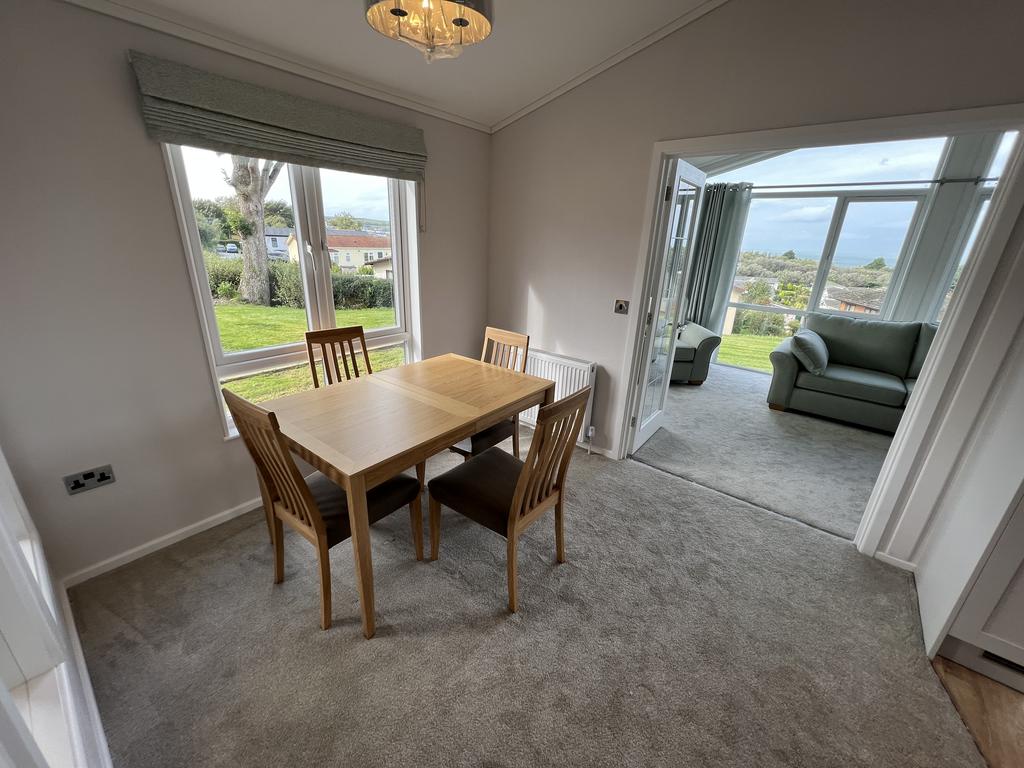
x=350 y=291
x=361 y=292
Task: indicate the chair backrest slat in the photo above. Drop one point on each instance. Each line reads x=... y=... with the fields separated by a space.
x=558 y=426
x=277 y=471
x=340 y=364
x=505 y=349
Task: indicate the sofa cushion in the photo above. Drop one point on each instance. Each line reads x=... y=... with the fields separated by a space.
x=684 y=354
x=809 y=348
x=857 y=383
x=877 y=345
x=924 y=343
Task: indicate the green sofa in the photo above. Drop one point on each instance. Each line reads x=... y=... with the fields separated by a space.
x=694 y=347
x=871 y=369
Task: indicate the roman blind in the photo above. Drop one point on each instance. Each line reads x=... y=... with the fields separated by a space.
x=184 y=105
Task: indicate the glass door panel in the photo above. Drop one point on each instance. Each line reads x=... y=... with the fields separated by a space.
x=871 y=240
x=664 y=307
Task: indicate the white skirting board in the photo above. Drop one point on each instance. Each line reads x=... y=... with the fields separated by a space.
x=159 y=543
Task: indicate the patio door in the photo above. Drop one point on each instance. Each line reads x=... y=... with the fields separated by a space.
x=663 y=305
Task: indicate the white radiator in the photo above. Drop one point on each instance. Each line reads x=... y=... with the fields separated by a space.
x=570 y=375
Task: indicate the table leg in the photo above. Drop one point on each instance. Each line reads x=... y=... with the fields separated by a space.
x=549 y=395
x=360 y=524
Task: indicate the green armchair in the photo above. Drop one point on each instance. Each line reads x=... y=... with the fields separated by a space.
x=694 y=347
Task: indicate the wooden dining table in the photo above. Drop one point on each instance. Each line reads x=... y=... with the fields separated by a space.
x=362 y=432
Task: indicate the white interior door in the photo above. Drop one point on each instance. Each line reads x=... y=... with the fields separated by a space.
x=679 y=218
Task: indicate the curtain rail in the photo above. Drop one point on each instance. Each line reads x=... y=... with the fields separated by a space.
x=966 y=180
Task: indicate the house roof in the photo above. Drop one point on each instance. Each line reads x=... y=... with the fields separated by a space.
x=869 y=298
x=357 y=240
x=348 y=238
x=277 y=231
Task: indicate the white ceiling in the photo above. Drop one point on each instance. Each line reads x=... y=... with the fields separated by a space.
x=539 y=48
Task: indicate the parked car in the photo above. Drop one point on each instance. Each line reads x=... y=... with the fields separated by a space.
x=231 y=248
x=221 y=248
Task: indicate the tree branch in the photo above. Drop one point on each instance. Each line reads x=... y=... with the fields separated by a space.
x=271 y=170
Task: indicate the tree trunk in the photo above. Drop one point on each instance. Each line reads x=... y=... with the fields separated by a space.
x=252 y=183
x=254 y=285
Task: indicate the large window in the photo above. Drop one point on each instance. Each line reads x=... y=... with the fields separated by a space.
x=872 y=236
x=824 y=251
x=261 y=236
x=827 y=230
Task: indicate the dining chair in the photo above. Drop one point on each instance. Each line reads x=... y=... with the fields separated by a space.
x=314 y=506
x=333 y=354
x=505 y=349
x=507 y=495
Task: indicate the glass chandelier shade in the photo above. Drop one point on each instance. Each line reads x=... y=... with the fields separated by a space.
x=439 y=29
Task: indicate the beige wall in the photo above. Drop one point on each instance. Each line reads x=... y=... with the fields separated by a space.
x=569 y=181
x=102 y=355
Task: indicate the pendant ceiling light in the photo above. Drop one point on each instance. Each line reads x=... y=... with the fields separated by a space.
x=437 y=28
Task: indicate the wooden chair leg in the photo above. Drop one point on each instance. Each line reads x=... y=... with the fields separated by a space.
x=324 y=561
x=268 y=509
x=515 y=435
x=510 y=555
x=435 y=527
x=416 y=520
x=559 y=534
x=277 y=538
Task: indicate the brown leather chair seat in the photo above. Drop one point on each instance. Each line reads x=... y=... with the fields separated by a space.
x=382 y=501
x=491 y=436
x=481 y=488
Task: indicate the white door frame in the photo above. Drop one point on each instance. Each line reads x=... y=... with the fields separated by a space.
x=667 y=222
x=913 y=443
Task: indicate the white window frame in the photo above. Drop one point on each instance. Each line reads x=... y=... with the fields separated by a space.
x=843 y=198
x=314 y=265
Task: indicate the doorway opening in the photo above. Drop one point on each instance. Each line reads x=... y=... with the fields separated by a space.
x=855 y=244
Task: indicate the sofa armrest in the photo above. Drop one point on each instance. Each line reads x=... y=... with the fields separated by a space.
x=786 y=367
x=693 y=335
x=704 y=343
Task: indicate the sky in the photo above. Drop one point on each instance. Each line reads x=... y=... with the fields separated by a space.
x=870 y=229
x=360 y=195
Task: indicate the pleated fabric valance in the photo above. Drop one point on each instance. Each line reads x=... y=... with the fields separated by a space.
x=184 y=105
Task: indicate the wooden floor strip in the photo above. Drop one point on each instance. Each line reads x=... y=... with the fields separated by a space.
x=993 y=712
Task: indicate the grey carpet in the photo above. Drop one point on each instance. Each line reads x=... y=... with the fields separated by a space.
x=723 y=435
x=686 y=629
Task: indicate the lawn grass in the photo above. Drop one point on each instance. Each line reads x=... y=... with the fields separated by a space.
x=297 y=378
x=748 y=351
x=250 y=326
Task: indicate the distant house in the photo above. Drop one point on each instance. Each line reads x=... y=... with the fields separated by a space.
x=867 y=301
x=277 y=242
x=351 y=249
x=739 y=285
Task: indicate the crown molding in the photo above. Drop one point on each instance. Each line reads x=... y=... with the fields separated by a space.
x=161 y=20
x=687 y=18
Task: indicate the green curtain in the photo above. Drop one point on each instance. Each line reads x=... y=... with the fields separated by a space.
x=720 y=226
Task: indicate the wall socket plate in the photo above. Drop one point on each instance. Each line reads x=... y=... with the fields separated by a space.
x=89 y=479
x=621 y=307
